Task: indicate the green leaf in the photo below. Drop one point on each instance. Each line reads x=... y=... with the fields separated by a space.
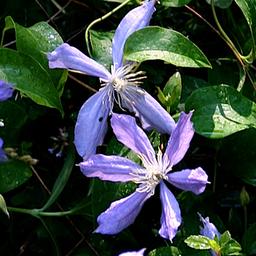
x=198 y=242
x=101 y=43
x=163 y=251
x=3 y=206
x=37 y=41
x=175 y=3
x=156 y=43
x=220 y=111
x=225 y=238
x=13 y=173
x=221 y=3
x=228 y=245
x=248 y=7
x=63 y=177
x=29 y=78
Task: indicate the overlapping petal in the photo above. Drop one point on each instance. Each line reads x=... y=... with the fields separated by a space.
x=68 y=57
x=149 y=111
x=134 y=20
x=171 y=216
x=179 y=141
x=91 y=125
x=112 y=168
x=194 y=180
x=121 y=213
x=6 y=90
x=132 y=136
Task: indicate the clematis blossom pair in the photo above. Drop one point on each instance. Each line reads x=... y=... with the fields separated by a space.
x=155 y=171
x=119 y=85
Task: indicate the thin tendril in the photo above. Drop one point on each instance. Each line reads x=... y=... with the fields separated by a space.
x=99 y=20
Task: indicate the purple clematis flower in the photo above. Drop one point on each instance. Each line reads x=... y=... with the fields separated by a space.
x=156 y=170
x=6 y=90
x=209 y=230
x=120 y=86
x=138 y=253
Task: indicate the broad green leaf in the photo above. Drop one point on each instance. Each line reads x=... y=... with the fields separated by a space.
x=198 y=242
x=221 y=3
x=3 y=206
x=62 y=179
x=37 y=41
x=220 y=111
x=174 y=3
x=101 y=43
x=225 y=238
x=13 y=173
x=249 y=242
x=163 y=251
x=157 y=43
x=29 y=78
x=248 y=7
x=229 y=246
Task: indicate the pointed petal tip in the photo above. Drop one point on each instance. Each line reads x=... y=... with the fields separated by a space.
x=171 y=215
x=69 y=57
x=134 y=20
x=193 y=180
x=121 y=213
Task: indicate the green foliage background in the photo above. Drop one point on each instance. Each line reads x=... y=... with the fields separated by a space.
x=197 y=57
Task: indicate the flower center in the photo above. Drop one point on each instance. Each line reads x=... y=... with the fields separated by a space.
x=122 y=83
x=125 y=76
x=148 y=179
x=150 y=176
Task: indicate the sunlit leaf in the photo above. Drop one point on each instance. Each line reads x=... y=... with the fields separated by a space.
x=36 y=41
x=220 y=111
x=27 y=75
x=198 y=242
x=157 y=43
